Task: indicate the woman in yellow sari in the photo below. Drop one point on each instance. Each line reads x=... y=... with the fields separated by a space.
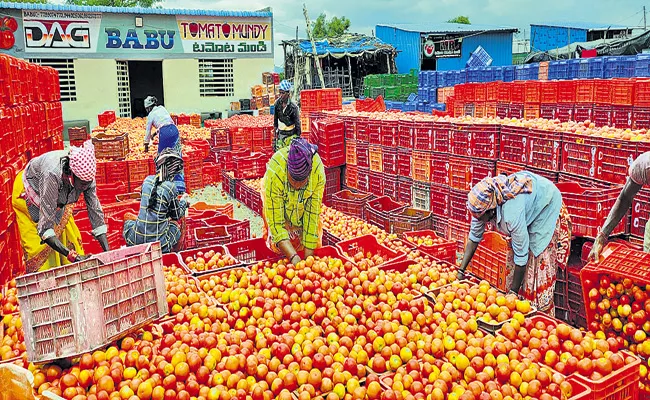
x=43 y=198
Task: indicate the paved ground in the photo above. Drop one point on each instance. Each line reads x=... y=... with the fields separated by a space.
x=214 y=195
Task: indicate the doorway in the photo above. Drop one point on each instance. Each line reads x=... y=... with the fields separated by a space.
x=145 y=79
x=429 y=64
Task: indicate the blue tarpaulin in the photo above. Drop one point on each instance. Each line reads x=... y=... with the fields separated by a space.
x=345 y=45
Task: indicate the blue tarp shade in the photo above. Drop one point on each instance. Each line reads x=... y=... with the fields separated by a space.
x=324 y=47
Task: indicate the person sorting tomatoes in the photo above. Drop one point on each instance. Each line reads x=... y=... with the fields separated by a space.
x=292 y=195
x=286 y=120
x=160 y=206
x=529 y=209
x=639 y=176
x=43 y=198
x=168 y=135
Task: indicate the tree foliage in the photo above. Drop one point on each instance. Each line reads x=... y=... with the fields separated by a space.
x=115 y=3
x=324 y=28
x=30 y=1
x=461 y=19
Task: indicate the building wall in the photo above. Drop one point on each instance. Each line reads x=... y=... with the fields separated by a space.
x=544 y=38
x=409 y=47
x=181 y=84
x=96 y=83
x=407 y=44
x=497 y=44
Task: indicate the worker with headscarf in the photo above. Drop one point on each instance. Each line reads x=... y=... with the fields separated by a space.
x=286 y=118
x=160 y=206
x=168 y=135
x=43 y=198
x=528 y=208
x=292 y=195
x=639 y=177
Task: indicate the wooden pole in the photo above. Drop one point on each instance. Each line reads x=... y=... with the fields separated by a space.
x=313 y=46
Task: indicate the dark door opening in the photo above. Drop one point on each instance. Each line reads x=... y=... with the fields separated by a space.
x=428 y=64
x=145 y=79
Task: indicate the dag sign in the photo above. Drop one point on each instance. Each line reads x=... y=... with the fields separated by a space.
x=50 y=31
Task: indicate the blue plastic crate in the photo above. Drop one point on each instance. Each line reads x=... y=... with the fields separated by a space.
x=423 y=94
x=421 y=106
x=520 y=73
x=409 y=106
x=433 y=95
x=397 y=105
x=532 y=71
x=462 y=76
x=497 y=73
x=509 y=73
x=642 y=65
x=558 y=70
x=473 y=75
x=440 y=107
x=579 y=68
x=487 y=74
x=432 y=78
x=423 y=79
x=596 y=68
x=441 y=79
x=619 y=67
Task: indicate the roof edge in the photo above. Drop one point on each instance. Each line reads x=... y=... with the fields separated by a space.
x=486 y=30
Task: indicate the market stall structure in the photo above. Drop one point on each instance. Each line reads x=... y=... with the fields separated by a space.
x=193 y=61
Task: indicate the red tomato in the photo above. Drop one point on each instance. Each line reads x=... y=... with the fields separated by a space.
x=7 y=40
x=10 y=23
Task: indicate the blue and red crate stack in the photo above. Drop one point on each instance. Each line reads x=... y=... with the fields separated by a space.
x=31 y=123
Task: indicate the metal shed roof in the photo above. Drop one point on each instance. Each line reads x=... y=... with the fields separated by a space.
x=134 y=10
x=446 y=27
x=589 y=26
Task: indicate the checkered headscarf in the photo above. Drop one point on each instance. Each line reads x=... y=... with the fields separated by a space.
x=494 y=191
x=83 y=162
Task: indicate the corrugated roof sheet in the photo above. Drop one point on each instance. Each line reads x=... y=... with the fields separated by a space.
x=134 y=10
x=590 y=26
x=446 y=27
x=352 y=43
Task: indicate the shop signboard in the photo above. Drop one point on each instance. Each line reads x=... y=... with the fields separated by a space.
x=60 y=31
x=230 y=36
x=442 y=46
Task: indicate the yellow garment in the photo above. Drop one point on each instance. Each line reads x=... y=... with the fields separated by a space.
x=39 y=256
x=16 y=383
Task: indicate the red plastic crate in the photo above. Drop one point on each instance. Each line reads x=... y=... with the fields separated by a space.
x=602 y=115
x=532 y=92
x=440 y=225
x=363 y=155
x=492 y=90
x=368 y=245
x=517 y=92
x=457 y=231
x=544 y=149
x=410 y=219
x=579 y=155
x=332 y=184
x=445 y=251
x=489 y=261
x=622 y=117
x=622 y=92
x=363 y=179
x=622 y=384
x=350 y=130
x=642 y=93
x=566 y=92
x=362 y=129
x=351 y=203
x=378 y=211
x=461 y=140
x=404 y=162
x=252 y=251
x=460 y=175
x=503 y=92
x=421 y=166
x=376 y=183
x=516 y=110
x=480 y=92
x=589 y=208
x=458 y=206
x=640 y=213
x=423 y=137
x=440 y=168
x=547 y=111
x=250 y=167
x=375 y=158
x=613 y=160
x=548 y=92
x=329 y=135
x=404 y=188
x=583 y=112
x=351 y=152
x=585 y=89
x=389 y=160
x=138 y=171
x=405 y=133
x=603 y=92
x=564 y=112
x=491 y=109
x=441 y=136
x=374 y=131
x=531 y=110
x=439 y=202
x=351 y=176
x=390 y=133
x=503 y=110
x=641 y=118
x=513 y=141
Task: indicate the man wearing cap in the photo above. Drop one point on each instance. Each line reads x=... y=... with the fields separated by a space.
x=286 y=120
x=292 y=195
x=43 y=198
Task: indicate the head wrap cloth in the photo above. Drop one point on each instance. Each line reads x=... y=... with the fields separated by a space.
x=83 y=162
x=299 y=163
x=494 y=191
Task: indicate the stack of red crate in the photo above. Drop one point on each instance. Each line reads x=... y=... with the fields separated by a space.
x=31 y=123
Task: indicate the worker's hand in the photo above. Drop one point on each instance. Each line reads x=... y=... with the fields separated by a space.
x=83 y=258
x=599 y=243
x=295 y=259
x=130 y=217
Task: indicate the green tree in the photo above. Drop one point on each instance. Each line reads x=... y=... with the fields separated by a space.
x=324 y=28
x=115 y=3
x=461 y=19
x=30 y=1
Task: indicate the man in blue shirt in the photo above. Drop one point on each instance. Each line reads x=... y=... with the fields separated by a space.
x=528 y=208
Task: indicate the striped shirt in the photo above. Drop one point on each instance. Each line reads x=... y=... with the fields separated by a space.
x=44 y=175
x=158 y=117
x=153 y=224
x=300 y=208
